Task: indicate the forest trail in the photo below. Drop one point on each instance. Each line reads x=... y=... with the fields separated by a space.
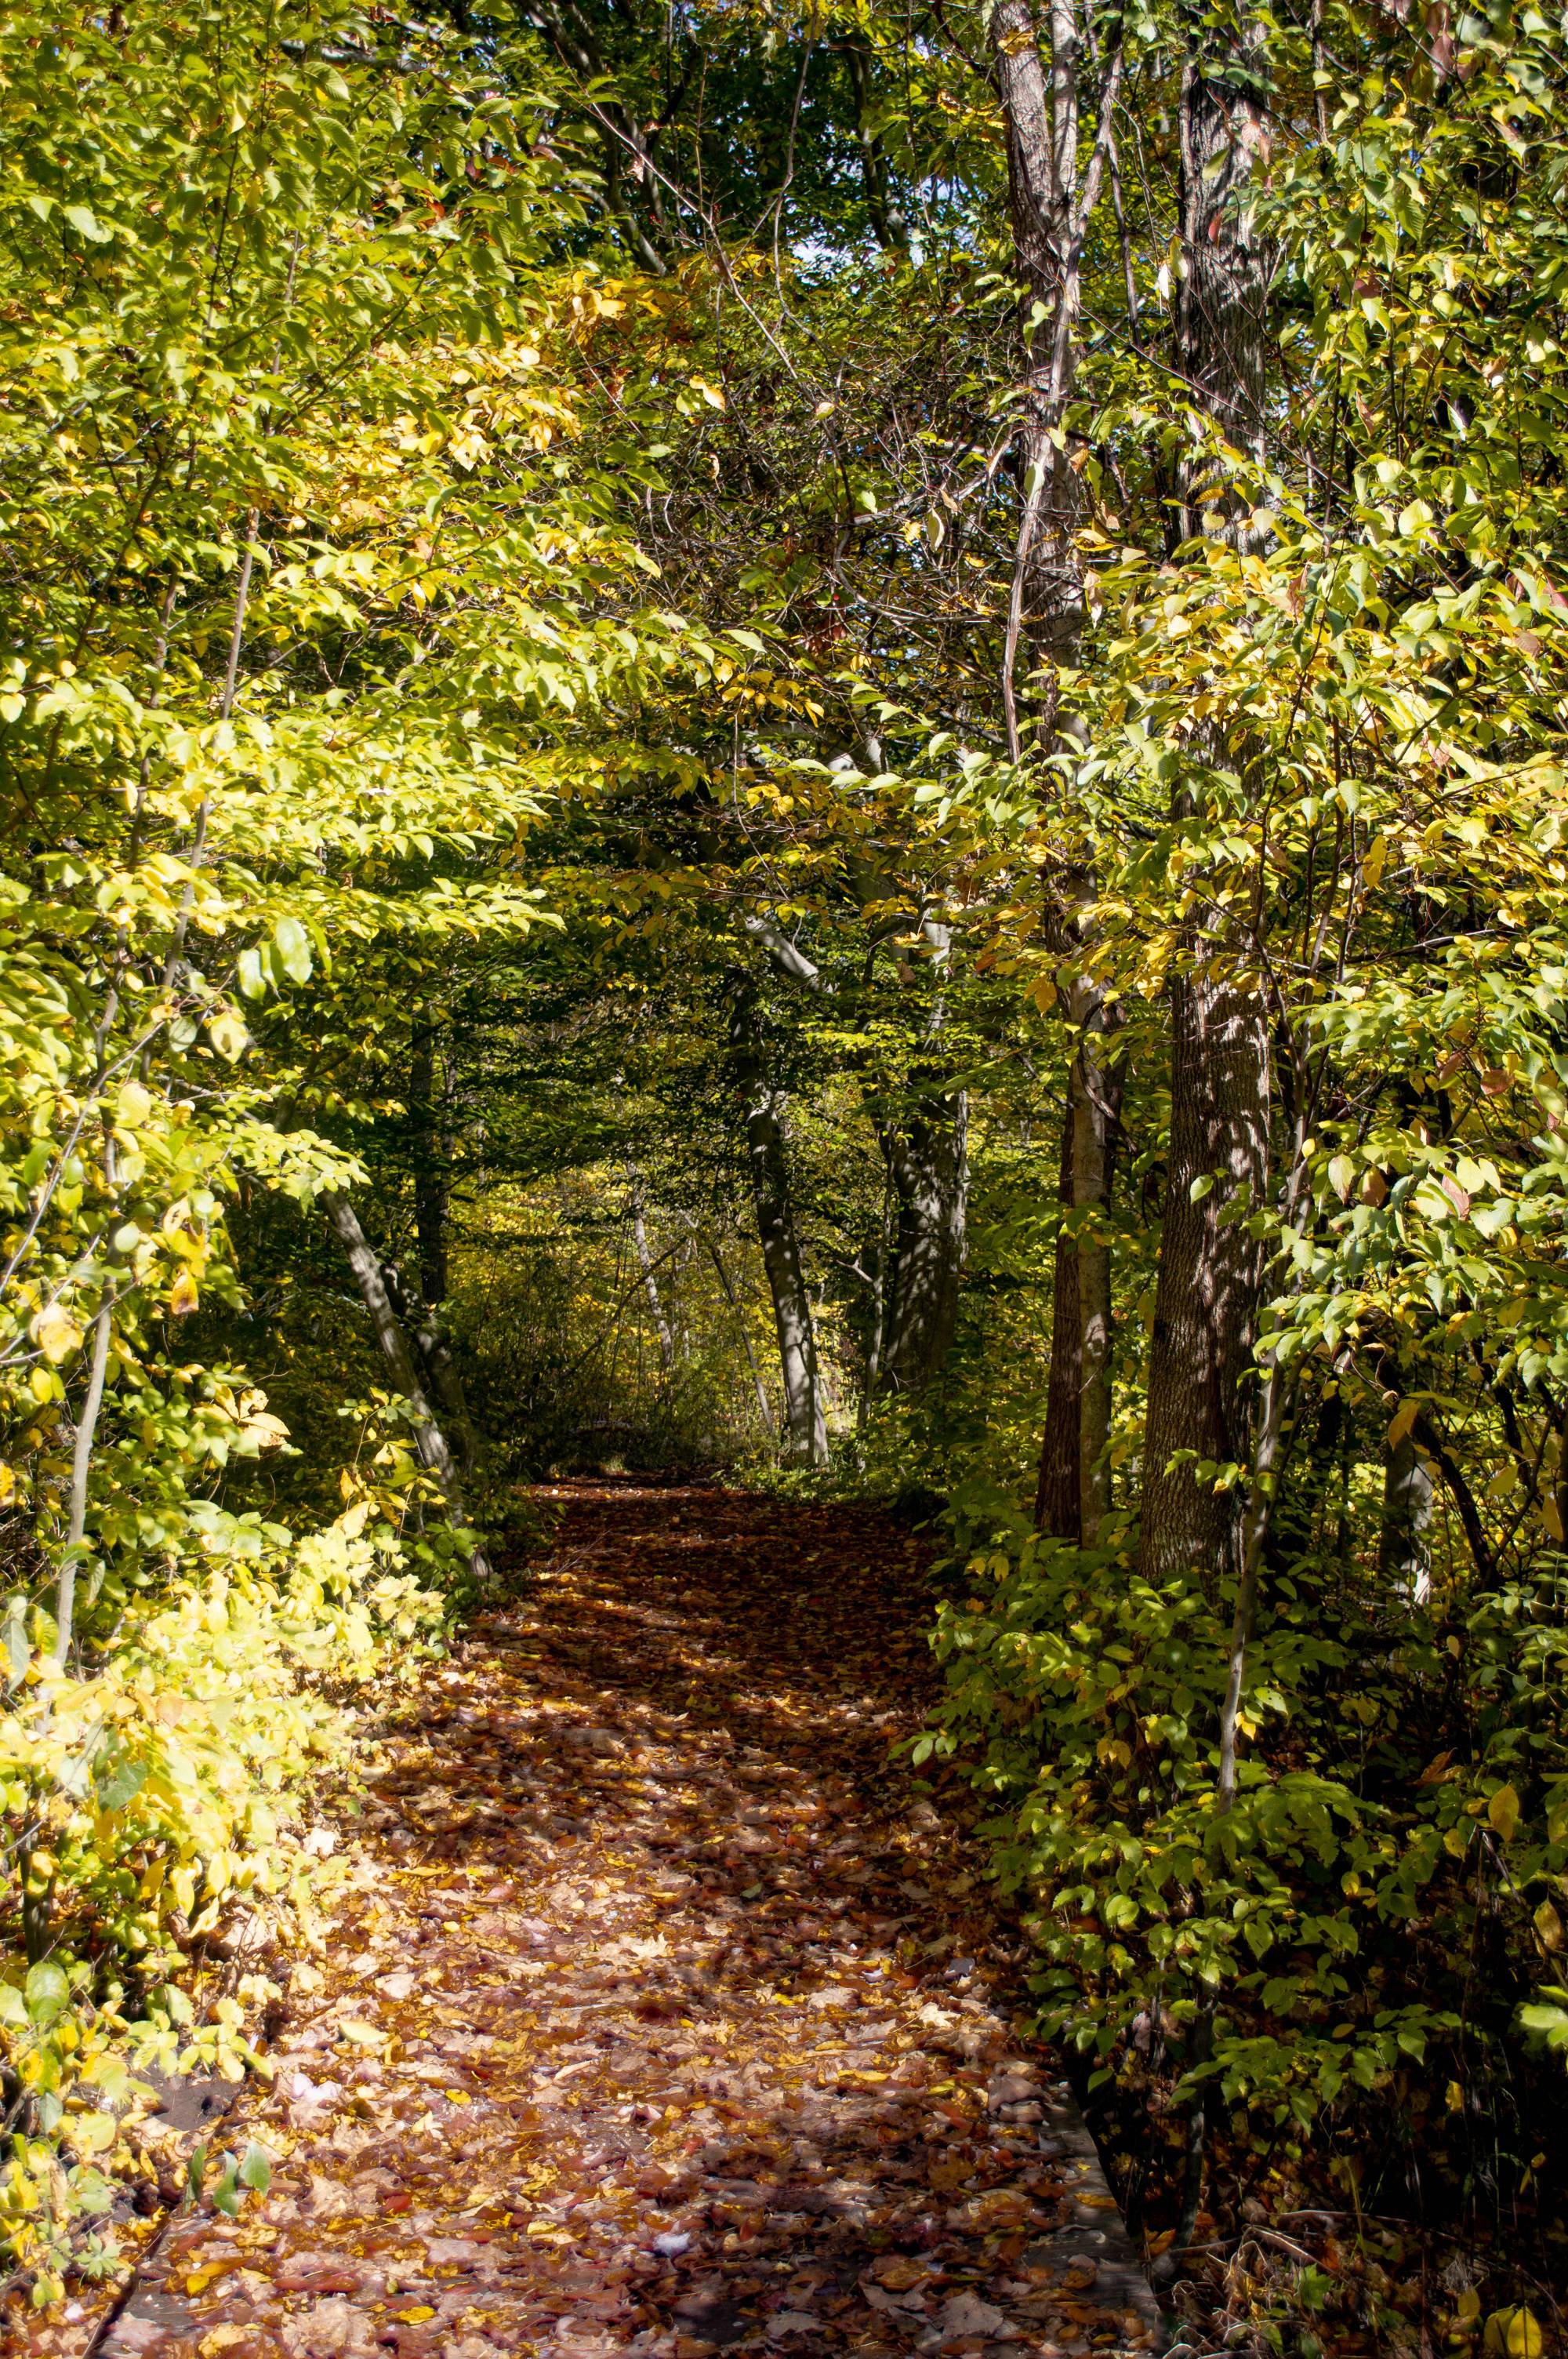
x=656 y=2016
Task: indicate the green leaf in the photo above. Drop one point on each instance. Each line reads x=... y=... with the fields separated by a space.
x=48 y=1992
x=86 y=224
x=293 y=949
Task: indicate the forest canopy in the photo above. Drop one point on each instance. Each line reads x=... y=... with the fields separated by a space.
x=824 y=742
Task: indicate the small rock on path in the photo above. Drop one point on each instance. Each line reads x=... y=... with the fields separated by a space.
x=657 y=2017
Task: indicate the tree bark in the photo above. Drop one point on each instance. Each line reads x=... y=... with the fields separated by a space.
x=434 y=1358
x=928 y=1164
x=1046 y=611
x=406 y=1377
x=80 y=1473
x=1210 y=1268
x=1222 y=297
x=806 y=1428
x=1206 y=1293
x=1051 y=201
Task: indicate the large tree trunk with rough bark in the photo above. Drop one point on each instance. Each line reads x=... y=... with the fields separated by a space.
x=1207 y=1294
x=1211 y=1267
x=408 y=1378
x=1050 y=201
x=767 y=1157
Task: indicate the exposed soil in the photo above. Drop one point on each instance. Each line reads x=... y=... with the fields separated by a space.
x=662 y=2012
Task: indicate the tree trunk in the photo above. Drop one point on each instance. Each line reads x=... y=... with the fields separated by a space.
x=1210 y=1268
x=80 y=1473
x=1046 y=611
x=434 y=1359
x=1050 y=202
x=1207 y=1294
x=806 y=1429
x=927 y=1162
x=406 y=1377
x=1222 y=296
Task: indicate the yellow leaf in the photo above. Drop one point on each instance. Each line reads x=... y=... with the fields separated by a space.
x=210 y=2272
x=416 y=2316
x=7 y=1484
x=1551 y=1516
x=56 y=1333
x=1514 y=2334
x=1549 y=1926
x=365 y=2035
x=91 y=2133
x=221 y=2338
x=183 y=1298
x=1502 y=1815
x=227 y=1034
x=1372 y=866
x=1401 y=1423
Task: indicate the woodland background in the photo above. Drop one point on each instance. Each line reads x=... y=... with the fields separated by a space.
x=825 y=741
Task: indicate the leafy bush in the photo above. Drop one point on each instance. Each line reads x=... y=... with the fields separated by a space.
x=142 y=1808
x=1363 y=1922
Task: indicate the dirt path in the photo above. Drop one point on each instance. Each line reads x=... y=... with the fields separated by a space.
x=653 y=2021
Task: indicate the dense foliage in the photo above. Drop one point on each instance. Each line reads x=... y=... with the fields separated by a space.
x=830 y=740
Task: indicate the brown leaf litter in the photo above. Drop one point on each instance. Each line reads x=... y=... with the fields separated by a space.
x=657 y=2017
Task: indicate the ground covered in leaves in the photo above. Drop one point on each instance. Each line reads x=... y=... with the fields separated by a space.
x=660 y=2013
